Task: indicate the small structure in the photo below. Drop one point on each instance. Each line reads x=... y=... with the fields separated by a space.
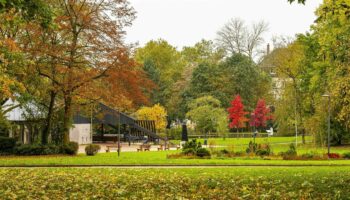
x=27 y=131
x=24 y=123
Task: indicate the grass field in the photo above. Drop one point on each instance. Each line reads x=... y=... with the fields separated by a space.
x=245 y=141
x=150 y=158
x=195 y=183
x=160 y=158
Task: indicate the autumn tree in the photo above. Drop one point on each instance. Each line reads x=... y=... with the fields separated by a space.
x=237 y=115
x=14 y=15
x=260 y=115
x=84 y=46
x=156 y=113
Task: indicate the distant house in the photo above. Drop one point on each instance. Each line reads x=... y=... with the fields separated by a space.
x=27 y=125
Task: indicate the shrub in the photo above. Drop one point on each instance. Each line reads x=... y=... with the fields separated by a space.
x=333 y=155
x=311 y=156
x=71 y=148
x=191 y=147
x=50 y=149
x=262 y=152
x=7 y=144
x=224 y=151
x=239 y=153
x=194 y=148
x=252 y=147
x=92 y=149
x=346 y=155
x=258 y=149
x=202 y=152
x=290 y=153
x=35 y=149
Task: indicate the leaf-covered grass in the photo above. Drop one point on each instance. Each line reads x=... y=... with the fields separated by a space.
x=196 y=183
x=150 y=158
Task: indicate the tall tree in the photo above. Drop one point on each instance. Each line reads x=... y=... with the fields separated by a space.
x=84 y=46
x=237 y=115
x=260 y=115
x=14 y=15
x=208 y=115
x=237 y=38
x=163 y=64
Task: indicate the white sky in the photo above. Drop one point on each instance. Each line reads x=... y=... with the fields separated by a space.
x=185 y=22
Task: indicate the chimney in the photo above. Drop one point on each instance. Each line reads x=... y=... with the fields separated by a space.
x=268 y=49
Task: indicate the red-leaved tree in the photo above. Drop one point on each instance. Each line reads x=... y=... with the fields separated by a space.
x=260 y=115
x=237 y=115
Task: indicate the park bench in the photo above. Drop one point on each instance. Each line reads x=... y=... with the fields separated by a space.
x=144 y=147
x=110 y=147
x=168 y=146
x=161 y=147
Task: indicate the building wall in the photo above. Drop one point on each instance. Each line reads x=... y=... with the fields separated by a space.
x=80 y=133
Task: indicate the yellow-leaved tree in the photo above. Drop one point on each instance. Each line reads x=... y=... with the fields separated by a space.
x=156 y=113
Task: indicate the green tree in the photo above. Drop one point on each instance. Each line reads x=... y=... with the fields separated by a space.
x=208 y=115
x=163 y=64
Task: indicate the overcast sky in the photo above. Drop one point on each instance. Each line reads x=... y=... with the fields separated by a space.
x=185 y=22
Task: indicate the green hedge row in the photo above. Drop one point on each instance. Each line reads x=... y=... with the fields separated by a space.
x=8 y=146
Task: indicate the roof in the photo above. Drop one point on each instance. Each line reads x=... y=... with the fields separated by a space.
x=104 y=115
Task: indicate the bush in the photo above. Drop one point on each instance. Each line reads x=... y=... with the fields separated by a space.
x=7 y=144
x=92 y=149
x=50 y=149
x=312 y=156
x=262 y=152
x=202 y=152
x=252 y=147
x=195 y=148
x=346 y=155
x=333 y=155
x=191 y=147
x=239 y=153
x=308 y=156
x=224 y=151
x=258 y=149
x=71 y=148
x=35 y=149
x=290 y=154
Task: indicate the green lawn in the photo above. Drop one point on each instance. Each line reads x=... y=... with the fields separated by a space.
x=160 y=158
x=245 y=141
x=150 y=158
x=195 y=183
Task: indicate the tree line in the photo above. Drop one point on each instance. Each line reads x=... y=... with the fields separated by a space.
x=65 y=56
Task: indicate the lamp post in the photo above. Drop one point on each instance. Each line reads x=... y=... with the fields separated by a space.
x=328 y=121
x=119 y=134
x=254 y=123
x=296 y=119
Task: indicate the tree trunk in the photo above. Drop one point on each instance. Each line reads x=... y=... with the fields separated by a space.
x=48 y=125
x=67 y=118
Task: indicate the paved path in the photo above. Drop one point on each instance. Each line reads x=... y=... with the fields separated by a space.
x=133 y=147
